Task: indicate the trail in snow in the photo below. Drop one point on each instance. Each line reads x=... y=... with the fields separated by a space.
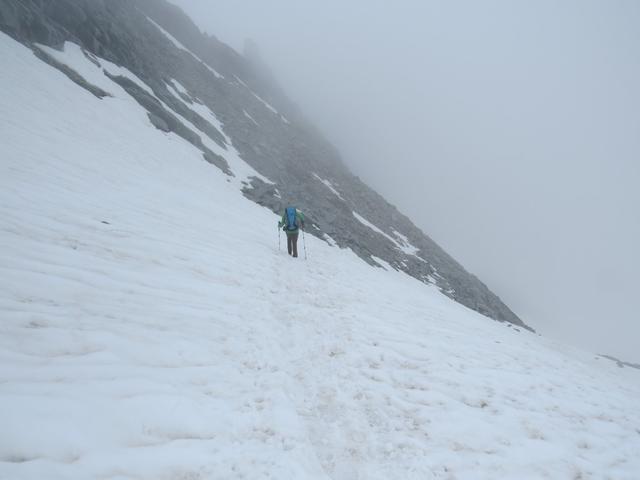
x=151 y=329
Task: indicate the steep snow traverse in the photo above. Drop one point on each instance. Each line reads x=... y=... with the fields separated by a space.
x=241 y=122
x=152 y=329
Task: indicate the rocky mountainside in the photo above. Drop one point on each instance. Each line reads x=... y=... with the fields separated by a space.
x=186 y=70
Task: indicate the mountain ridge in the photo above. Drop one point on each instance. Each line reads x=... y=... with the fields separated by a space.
x=158 y=43
x=145 y=337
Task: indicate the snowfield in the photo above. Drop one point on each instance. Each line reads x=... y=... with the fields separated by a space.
x=152 y=329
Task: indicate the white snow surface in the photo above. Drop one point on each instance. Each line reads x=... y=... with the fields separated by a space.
x=239 y=167
x=73 y=56
x=405 y=244
x=152 y=329
x=178 y=87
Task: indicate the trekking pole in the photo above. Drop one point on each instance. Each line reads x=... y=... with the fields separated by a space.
x=305 y=245
x=278 y=237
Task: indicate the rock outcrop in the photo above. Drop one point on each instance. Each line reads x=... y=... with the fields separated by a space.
x=159 y=43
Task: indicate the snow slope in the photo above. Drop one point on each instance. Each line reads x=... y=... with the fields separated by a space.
x=152 y=329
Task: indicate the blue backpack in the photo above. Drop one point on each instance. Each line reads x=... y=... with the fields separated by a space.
x=292 y=218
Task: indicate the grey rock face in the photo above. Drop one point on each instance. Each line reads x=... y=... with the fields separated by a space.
x=73 y=76
x=621 y=363
x=158 y=122
x=266 y=128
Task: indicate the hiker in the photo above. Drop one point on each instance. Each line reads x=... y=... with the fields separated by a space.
x=292 y=220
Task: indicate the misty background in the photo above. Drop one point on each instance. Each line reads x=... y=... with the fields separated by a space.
x=508 y=131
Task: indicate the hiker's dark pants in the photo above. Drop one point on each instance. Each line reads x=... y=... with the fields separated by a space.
x=292 y=244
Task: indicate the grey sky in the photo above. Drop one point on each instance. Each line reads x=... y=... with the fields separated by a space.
x=509 y=131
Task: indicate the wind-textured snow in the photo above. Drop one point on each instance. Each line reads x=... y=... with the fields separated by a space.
x=152 y=329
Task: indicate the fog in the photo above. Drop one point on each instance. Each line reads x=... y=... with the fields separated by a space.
x=509 y=131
